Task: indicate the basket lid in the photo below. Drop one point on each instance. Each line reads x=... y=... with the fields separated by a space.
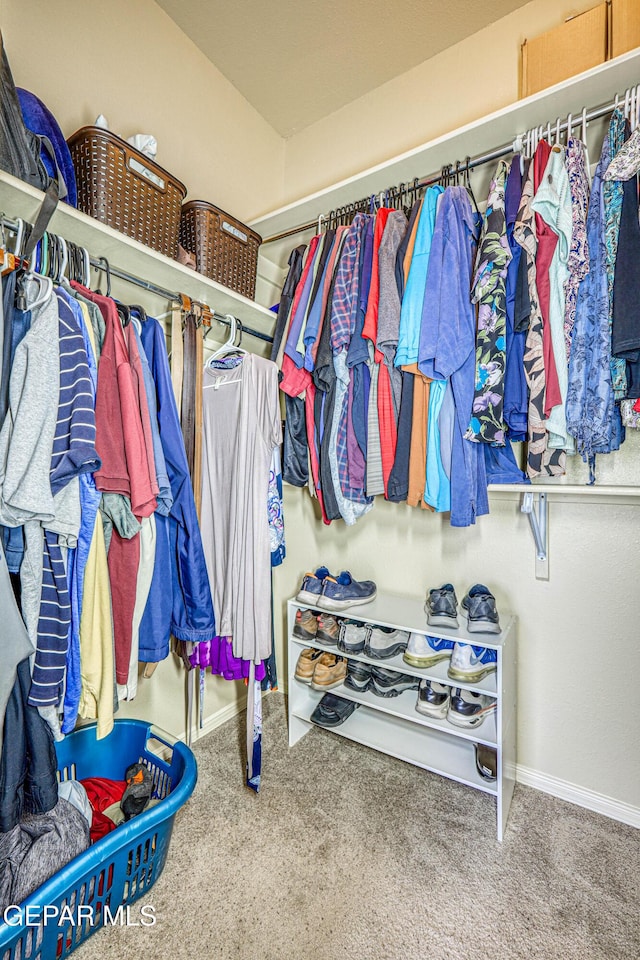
x=107 y=135
x=211 y=207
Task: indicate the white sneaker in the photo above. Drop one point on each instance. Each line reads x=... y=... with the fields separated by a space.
x=470 y=664
x=425 y=651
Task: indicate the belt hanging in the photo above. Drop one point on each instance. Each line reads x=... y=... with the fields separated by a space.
x=197 y=456
x=188 y=417
x=177 y=353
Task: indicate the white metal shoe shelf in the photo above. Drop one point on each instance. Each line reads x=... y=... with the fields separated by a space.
x=393 y=726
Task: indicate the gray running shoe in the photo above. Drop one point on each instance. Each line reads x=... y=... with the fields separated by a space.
x=352 y=636
x=384 y=642
x=390 y=683
x=482 y=612
x=442 y=606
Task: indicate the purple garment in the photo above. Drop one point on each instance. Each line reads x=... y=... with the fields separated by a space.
x=516 y=397
x=355 y=456
x=301 y=307
x=218 y=655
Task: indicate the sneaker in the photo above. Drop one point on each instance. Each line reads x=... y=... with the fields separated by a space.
x=358 y=676
x=442 y=606
x=487 y=762
x=390 y=683
x=470 y=664
x=328 y=629
x=468 y=708
x=482 y=614
x=352 y=636
x=329 y=672
x=306 y=625
x=426 y=651
x=343 y=591
x=306 y=664
x=384 y=642
x=312 y=586
x=433 y=698
x=333 y=710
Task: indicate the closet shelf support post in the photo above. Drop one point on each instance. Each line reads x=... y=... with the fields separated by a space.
x=539 y=523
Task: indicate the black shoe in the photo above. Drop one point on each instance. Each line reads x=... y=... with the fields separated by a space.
x=332 y=711
x=487 y=762
x=390 y=683
x=358 y=676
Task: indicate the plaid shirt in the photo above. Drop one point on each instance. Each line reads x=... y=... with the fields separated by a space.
x=344 y=304
x=344 y=310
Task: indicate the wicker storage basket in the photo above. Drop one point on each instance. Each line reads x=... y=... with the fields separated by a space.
x=126 y=190
x=225 y=249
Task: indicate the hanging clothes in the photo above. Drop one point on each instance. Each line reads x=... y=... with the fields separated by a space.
x=447 y=344
x=539 y=459
x=489 y=292
x=241 y=421
x=590 y=399
x=517 y=319
x=552 y=202
x=619 y=131
x=577 y=163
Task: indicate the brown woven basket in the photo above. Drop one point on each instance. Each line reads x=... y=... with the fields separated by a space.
x=225 y=249
x=123 y=188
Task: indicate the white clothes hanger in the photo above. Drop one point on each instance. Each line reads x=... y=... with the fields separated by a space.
x=229 y=346
x=46 y=289
x=584 y=125
x=569 y=126
x=557 y=136
x=65 y=259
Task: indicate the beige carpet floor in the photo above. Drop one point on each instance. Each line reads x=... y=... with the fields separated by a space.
x=347 y=853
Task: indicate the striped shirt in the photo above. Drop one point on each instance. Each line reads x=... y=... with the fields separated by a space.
x=47 y=680
x=73 y=453
x=74 y=450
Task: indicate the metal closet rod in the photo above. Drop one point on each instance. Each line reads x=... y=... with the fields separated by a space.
x=468 y=164
x=13 y=225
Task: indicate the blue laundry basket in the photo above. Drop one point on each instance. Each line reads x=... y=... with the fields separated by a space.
x=119 y=868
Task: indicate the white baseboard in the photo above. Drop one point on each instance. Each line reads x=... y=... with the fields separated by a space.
x=216 y=720
x=589 y=799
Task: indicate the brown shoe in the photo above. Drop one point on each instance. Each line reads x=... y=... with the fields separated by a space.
x=330 y=671
x=328 y=629
x=306 y=664
x=306 y=625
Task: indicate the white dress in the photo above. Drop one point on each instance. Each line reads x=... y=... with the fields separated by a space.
x=240 y=427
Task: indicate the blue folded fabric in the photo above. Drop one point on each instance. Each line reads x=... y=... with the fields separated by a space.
x=39 y=119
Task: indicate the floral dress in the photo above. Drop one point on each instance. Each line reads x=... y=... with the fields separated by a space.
x=487 y=423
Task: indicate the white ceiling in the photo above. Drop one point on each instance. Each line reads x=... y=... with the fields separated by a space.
x=297 y=61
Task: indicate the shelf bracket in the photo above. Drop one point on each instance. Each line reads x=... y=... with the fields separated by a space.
x=539 y=523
